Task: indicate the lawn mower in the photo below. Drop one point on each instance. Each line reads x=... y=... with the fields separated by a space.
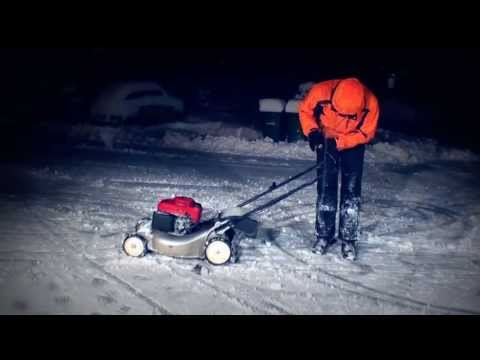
x=175 y=228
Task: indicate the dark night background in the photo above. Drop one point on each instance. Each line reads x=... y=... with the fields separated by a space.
x=439 y=84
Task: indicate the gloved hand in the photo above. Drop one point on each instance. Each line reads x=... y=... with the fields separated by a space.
x=315 y=138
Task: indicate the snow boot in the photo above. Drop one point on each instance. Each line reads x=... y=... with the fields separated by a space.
x=322 y=245
x=349 y=250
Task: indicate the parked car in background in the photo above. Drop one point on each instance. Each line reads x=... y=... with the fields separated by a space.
x=135 y=103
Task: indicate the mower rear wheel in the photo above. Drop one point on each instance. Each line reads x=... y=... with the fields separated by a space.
x=218 y=252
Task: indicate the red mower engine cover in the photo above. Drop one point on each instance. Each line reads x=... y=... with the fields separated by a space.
x=181 y=206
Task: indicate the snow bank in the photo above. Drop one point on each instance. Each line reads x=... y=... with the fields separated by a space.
x=214 y=128
x=106 y=134
x=112 y=135
x=385 y=152
x=234 y=145
x=230 y=138
x=400 y=151
x=411 y=151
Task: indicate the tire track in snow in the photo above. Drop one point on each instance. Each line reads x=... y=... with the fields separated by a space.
x=128 y=183
x=320 y=294
x=449 y=217
x=428 y=212
x=308 y=268
x=247 y=304
x=397 y=299
x=130 y=288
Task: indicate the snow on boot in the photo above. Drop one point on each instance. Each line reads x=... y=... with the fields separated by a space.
x=322 y=246
x=349 y=250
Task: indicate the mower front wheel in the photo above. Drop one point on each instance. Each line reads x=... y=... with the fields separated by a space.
x=135 y=246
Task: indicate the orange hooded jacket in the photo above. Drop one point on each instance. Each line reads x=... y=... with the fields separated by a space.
x=348 y=132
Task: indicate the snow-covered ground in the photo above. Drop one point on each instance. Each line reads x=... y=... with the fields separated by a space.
x=64 y=216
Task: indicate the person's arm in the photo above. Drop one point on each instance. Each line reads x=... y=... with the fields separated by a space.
x=318 y=93
x=367 y=130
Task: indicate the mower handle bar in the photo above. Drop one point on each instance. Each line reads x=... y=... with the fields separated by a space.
x=274 y=186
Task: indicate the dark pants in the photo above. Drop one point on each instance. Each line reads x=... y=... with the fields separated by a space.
x=349 y=163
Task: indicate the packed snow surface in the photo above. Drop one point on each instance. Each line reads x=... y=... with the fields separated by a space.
x=64 y=217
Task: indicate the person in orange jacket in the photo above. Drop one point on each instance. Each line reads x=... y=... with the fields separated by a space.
x=339 y=117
